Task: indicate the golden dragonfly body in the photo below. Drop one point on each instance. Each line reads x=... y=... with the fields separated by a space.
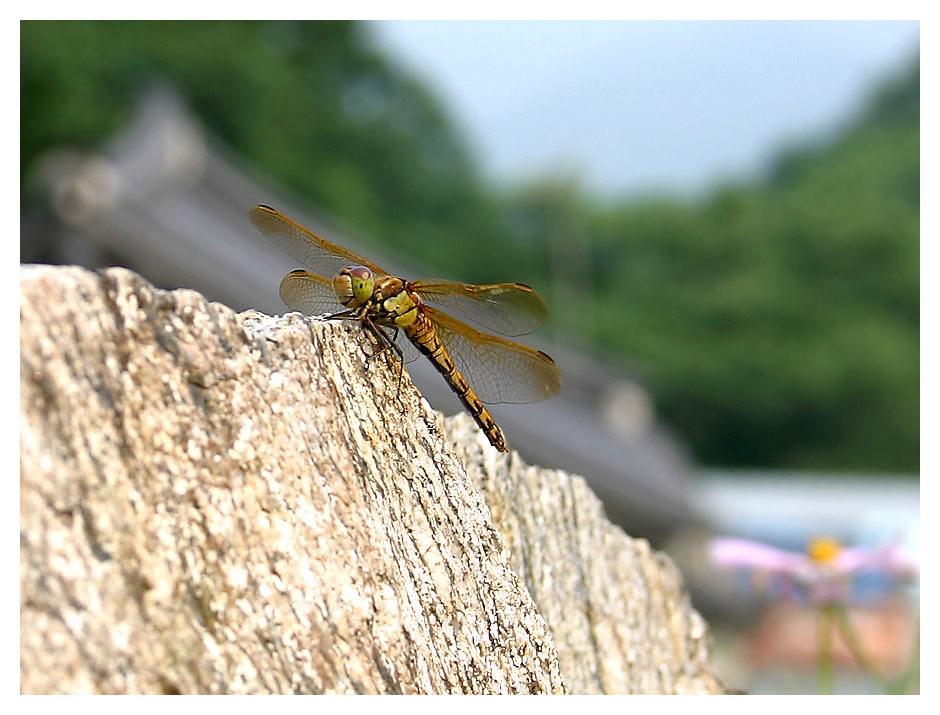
x=479 y=367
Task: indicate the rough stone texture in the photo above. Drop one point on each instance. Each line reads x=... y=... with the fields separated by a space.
x=619 y=615
x=222 y=503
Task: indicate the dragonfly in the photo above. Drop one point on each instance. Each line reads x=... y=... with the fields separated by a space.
x=478 y=366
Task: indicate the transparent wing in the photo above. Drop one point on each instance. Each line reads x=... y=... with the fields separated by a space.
x=409 y=352
x=505 y=308
x=311 y=294
x=320 y=256
x=498 y=370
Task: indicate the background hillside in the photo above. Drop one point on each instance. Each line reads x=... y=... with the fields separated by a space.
x=777 y=324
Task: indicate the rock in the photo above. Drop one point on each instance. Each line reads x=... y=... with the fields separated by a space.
x=222 y=503
x=620 y=617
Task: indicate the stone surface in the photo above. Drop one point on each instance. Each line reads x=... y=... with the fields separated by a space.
x=620 y=617
x=222 y=503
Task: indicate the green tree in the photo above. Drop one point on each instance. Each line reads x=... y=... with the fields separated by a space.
x=309 y=102
x=779 y=324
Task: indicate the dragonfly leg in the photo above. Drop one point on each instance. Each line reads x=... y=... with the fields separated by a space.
x=401 y=362
x=344 y=314
x=377 y=337
x=386 y=343
x=390 y=342
x=362 y=316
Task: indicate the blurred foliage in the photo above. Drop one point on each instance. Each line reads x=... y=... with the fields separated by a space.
x=309 y=102
x=779 y=324
x=776 y=324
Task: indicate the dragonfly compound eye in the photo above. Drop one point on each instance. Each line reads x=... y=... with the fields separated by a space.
x=362 y=283
x=342 y=286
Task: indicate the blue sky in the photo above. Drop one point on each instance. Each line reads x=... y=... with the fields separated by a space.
x=634 y=107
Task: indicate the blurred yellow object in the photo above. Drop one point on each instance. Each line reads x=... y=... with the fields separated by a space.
x=823 y=550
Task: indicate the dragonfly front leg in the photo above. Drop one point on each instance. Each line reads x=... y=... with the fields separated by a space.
x=350 y=314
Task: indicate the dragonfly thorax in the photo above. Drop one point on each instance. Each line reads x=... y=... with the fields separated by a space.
x=354 y=286
x=395 y=304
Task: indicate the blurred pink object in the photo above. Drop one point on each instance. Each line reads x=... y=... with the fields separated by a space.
x=822 y=573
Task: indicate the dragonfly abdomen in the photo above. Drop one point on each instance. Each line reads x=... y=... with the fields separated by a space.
x=424 y=337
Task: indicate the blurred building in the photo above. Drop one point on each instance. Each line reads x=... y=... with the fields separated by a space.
x=166 y=200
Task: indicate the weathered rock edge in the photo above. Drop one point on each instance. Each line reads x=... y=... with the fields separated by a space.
x=222 y=503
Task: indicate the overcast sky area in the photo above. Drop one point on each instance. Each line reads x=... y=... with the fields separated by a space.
x=641 y=107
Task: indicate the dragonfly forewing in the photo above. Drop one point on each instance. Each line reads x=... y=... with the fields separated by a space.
x=505 y=308
x=317 y=254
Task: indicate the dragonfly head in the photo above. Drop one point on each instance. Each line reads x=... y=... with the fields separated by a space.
x=354 y=286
